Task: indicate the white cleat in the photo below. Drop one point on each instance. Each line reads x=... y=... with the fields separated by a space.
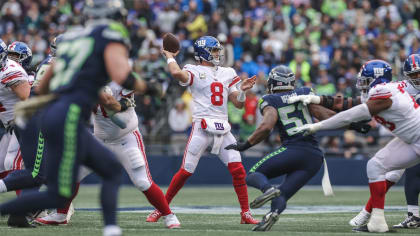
x=112 y=230
x=377 y=221
x=361 y=219
x=171 y=221
x=53 y=218
x=70 y=213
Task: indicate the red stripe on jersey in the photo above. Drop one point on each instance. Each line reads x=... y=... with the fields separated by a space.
x=235 y=80
x=13 y=76
x=380 y=97
x=191 y=77
x=414 y=62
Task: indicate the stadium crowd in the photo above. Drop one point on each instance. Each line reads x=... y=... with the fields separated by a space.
x=324 y=42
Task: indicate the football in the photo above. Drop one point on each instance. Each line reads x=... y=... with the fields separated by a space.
x=170 y=43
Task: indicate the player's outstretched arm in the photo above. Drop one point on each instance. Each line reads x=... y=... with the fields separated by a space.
x=174 y=68
x=336 y=103
x=238 y=97
x=261 y=133
x=109 y=102
x=44 y=84
x=320 y=112
x=22 y=89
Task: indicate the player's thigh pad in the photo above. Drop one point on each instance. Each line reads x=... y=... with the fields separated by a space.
x=11 y=161
x=194 y=149
x=394 y=175
x=4 y=144
x=397 y=155
x=228 y=156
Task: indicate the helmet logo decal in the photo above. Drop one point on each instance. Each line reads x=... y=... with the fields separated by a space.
x=201 y=43
x=378 y=72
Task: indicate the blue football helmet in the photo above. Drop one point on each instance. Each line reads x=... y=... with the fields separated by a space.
x=21 y=53
x=208 y=48
x=372 y=73
x=412 y=70
x=53 y=45
x=281 y=78
x=3 y=54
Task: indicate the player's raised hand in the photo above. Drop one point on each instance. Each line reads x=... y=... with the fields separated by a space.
x=305 y=99
x=168 y=54
x=308 y=128
x=248 y=83
x=239 y=146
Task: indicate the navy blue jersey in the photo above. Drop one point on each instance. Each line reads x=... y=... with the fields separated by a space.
x=290 y=116
x=80 y=70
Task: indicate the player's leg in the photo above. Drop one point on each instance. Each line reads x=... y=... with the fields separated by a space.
x=412 y=190
x=196 y=145
x=362 y=218
x=4 y=144
x=377 y=167
x=232 y=159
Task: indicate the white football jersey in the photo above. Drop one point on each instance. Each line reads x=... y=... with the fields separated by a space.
x=210 y=88
x=104 y=128
x=403 y=117
x=11 y=74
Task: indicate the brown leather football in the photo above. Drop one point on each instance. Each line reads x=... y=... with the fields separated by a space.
x=170 y=43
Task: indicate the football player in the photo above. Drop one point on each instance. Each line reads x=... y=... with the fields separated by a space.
x=211 y=87
x=299 y=157
x=86 y=59
x=127 y=144
x=391 y=106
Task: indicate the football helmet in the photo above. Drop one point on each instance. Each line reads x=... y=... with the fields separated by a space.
x=372 y=73
x=21 y=53
x=281 y=78
x=412 y=70
x=53 y=45
x=110 y=9
x=3 y=54
x=208 y=48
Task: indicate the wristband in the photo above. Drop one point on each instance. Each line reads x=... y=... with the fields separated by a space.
x=169 y=60
x=241 y=96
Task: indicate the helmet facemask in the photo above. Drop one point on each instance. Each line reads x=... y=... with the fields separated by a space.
x=414 y=78
x=216 y=55
x=363 y=83
x=282 y=81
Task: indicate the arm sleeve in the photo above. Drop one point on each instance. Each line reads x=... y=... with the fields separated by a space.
x=116 y=32
x=264 y=102
x=233 y=83
x=14 y=77
x=355 y=114
x=192 y=75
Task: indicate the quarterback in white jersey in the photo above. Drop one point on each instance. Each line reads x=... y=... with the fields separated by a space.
x=211 y=87
x=14 y=87
x=393 y=107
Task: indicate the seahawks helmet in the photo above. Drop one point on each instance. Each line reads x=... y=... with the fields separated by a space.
x=412 y=69
x=3 y=54
x=204 y=47
x=281 y=78
x=21 y=53
x=99 y=9
x=372 y=73
x=53 y=45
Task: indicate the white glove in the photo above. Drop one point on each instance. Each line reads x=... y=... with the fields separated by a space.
x=305 y=99
x=309 y=128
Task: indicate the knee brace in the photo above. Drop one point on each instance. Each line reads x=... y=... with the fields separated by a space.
x=375 y=171
x=394 y=176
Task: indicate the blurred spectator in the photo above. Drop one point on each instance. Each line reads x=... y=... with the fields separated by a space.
x=300 y=67
x=179 y=121
x=351 y=144
x=325 y=87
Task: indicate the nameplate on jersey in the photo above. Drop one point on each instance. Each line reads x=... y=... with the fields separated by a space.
x=215 y=126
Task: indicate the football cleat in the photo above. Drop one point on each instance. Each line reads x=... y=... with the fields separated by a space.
x=246 y=218
x=411 y=222
x=377 y=222
x=70 y=213
x=265 y=197
x=53 y=218
x=171 y=221
x=18 y=221
x=154 y=216
x=362 y=228
x=112 y=230
x=361 y=219
x=267 y=222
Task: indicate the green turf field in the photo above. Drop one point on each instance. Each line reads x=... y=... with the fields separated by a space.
x=214 y=211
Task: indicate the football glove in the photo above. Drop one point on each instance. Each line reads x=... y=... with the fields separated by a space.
x=361 y=126
x=239 y=146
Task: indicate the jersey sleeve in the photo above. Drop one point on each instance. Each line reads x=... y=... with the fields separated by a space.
x=14 y=77
x=234 y=81
x=193 y=74
x=264 y=102
x=307 y=91
x=116 y=32
x=379 y=92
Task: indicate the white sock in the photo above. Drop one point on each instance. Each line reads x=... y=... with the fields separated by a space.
x=3 y=188
x=413 y=209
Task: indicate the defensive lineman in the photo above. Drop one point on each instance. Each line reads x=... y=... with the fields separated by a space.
x=211 y=86
x=395 y=109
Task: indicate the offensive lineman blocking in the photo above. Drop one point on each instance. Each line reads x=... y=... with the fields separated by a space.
x=211 y=87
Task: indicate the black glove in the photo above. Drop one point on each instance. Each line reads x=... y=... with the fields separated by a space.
x=239 y=146
x=10 y=126
x=125 y=103
x=361 y=126
x=154 y=88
